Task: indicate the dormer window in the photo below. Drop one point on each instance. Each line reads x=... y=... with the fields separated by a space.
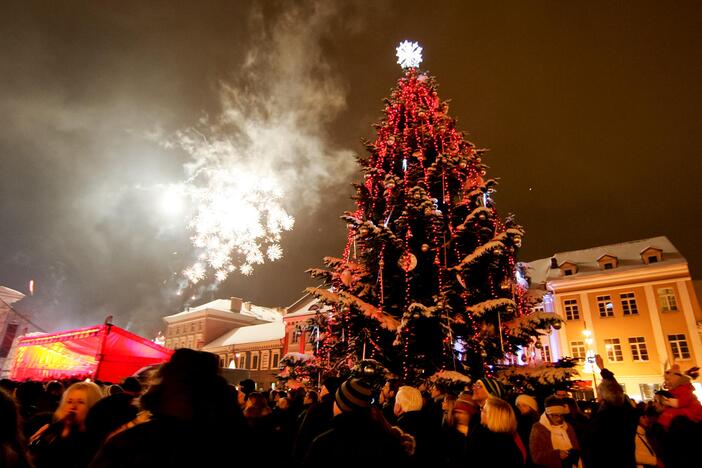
x=608 y=262
x=651 y=255
x=568 y=268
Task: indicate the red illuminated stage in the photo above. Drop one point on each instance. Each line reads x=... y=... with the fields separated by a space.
x=103 y=352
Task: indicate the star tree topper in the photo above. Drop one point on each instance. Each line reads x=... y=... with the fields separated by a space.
x=409 y=54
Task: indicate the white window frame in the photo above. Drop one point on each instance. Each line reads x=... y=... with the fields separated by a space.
x=639 y=351
x=602 y=302
x=546 y=353
x=572 y=309
x=578 y=349
x=667 y=302
x=613 y=346
x=242 y=360
x=679 y=346
x=629 y=305
x=265 y=360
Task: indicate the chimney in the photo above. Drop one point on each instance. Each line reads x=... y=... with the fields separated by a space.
x=554 y=262
x=236 y=304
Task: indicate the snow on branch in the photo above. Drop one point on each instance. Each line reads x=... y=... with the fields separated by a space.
x=511 y=232
x=385 y=320
x=526 y=325
x=544 y=374
x=478 y=253
x=452 y=377
x=473 y=215
x=491 y=304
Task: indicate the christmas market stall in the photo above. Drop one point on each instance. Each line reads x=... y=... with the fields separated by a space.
x=103 y=352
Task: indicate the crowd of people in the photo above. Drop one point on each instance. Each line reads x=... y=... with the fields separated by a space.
x=188 y=415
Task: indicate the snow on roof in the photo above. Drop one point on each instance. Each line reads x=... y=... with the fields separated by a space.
x=223 y=306
x=10 y=296
x=628 y=255
x=251 y=334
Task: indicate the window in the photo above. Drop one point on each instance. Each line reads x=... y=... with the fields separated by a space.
x=604 y=304
x=199 y=326
x=242 y=361
x=577 y=349
x=192 y=326
x=265 y=359
x=678 y=345
x=629 y=303
x=666 y=300
x=254 y=361
x=568 y=272
x=275 y=361
x=652 y=259
x=296 y=335
x=638 y=348
x=614 y=350
x=608 y=266
x=571 y=309
x=648 y=391
x=546 y=353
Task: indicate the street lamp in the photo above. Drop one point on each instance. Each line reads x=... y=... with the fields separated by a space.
x=590 y=359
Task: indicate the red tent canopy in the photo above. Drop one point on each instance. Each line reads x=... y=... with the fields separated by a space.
x=103 y=352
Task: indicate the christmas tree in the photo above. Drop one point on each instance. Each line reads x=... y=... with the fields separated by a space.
x=428 y=278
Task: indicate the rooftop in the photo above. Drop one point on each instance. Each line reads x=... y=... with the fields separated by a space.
x=234 y=308
x=251 y=334
x=628 y=255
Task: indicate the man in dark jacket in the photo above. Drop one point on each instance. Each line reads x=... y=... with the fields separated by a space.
x=318 y=419
x=609 y=437
x=410 y=418
x=356 y=438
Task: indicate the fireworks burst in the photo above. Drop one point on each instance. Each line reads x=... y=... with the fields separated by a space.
x=238 y=218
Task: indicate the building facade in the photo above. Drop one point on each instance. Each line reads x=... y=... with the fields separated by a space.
x=242 y=335
x=12 y=325
x=633 y=303
x=299 y=338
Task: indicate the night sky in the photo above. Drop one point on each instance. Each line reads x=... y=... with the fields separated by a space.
x=591 y=112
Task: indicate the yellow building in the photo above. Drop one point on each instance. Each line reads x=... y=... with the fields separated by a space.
x=633 y=303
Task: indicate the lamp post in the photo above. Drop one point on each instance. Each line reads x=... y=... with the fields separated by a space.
x=590 y=359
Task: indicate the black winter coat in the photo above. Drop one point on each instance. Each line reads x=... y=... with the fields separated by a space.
x=609 y=438
x=356 y=440
x=493 y=449
x=318 y=419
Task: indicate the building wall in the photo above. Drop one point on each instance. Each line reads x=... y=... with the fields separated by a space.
x=651 y=323
x=261 y=359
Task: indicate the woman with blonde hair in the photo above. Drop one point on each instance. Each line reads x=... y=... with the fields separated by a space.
x=495 y=441
x=64 y=442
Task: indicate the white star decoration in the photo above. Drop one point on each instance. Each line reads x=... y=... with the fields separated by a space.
x=409 y=54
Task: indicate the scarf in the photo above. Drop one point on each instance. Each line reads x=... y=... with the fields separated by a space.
x=559 y=434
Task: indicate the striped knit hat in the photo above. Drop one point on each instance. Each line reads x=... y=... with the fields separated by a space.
x=493 y=387
x=354 y=394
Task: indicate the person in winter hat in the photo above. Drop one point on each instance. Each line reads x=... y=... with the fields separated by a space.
x=681 y=400
x=486 y=387
x=553 y=443
x=527 y=415
x=356 y=438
